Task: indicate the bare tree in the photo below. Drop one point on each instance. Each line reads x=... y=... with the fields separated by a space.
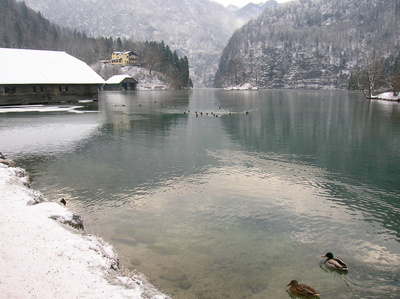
x=391 y=77
x=369 y=78
x=392 y=81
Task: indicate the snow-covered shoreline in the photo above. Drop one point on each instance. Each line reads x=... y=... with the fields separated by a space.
x=246 y=86
x=42 y=258
x=386 y=96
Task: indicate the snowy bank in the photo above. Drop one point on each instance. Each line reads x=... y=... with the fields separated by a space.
x=246 y=86
x=387 y=96
x=147 y=80
x=42 y=258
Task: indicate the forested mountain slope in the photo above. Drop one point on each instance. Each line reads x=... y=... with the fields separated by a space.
x=310 y=43
x=198 y=29
x=22 y=27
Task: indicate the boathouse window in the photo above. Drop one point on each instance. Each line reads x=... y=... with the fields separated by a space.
x=63 y=88
x=36 y=89
x=9 y=90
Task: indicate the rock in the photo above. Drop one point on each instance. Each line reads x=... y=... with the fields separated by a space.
x=23 y=175
x=7 y=162
x=37 y=197
x=128 y=240
x=185 y=284
x=136 y=262
x=145 y=238
x=173 y=274
x=75 y=222
x=256 y=287
x=162 y=250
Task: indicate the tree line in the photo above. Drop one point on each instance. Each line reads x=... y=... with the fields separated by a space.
x=378 y=74
x=23 y=28
x=159 y=57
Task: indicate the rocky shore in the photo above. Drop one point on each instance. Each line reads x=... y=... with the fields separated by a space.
x=45 y=252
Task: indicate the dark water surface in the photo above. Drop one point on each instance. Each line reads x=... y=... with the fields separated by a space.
x=234 y=201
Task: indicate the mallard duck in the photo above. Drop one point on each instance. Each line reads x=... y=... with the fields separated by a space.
x=302 y=289
x=335 y=263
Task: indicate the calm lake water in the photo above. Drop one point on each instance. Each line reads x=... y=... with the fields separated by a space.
x=233 y=202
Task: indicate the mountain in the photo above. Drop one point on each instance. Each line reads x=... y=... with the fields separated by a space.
x=22 y=27
x=252 y=11
x=310 y=43
x=198 y=29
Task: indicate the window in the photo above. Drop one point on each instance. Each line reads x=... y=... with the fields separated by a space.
x=34 y=88
x=63 y=88
x=9 y=90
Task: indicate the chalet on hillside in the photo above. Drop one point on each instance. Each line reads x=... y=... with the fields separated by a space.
x=36 y=76
x=124 y=58
x=120 y=82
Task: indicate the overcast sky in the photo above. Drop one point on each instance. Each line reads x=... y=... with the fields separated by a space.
x=241 y=3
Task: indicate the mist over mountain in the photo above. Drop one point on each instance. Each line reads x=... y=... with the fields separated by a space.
x=310 y=43
x=198 y=29
x=251 y=10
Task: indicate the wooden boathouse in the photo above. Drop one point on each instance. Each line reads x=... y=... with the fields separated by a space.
x=120 y=82
x=38 y=76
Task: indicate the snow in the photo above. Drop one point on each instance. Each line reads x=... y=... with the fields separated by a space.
x=41 y=258
x=245 y=86
x=388 y=96
x=40 y=108
x=117 y=79
x=147 y=80
x=20 y=66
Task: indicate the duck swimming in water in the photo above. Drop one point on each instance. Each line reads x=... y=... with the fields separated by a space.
x=335 y=263
x=302 y=289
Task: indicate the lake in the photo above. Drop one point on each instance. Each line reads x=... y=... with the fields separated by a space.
x=227 y=194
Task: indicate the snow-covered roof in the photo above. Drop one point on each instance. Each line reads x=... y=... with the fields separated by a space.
x=20 y=66
x=117 y=79
x=125 y=52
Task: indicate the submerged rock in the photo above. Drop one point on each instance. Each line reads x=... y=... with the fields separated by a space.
x=145 y=238
x=128 y=240
x=173 y=274
x=177 y=276
x=256 y=287
x=185 y=284
x=162 y=250
x=136 y=262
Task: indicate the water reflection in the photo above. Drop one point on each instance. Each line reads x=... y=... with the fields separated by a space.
x=217 y=194
x=46 y=130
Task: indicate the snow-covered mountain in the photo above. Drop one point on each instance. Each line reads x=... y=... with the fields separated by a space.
x=310 y=43
x=198 y=29
x=252 y=11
